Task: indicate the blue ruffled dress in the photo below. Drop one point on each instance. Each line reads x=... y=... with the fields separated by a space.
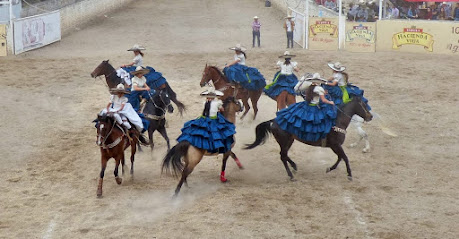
x=281 y=83
x=248 y=77
x=309 y=122
x=212 y=135
x=338 y=96
x=154 y=78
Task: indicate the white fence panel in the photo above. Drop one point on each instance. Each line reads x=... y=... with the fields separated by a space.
x=299 y=30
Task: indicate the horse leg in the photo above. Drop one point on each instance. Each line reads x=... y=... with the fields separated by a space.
x=151 y=129
x=117 y=178
x=192 y=159
x=290 y=99
x=133 y=151
x=102 y=173
x=254 y=97
x=222 y=174
x=122 y=166
x=285 y=141
x=239 y=164
x=245 y=102
x=338 y=150
x=281 y=100
x=162 y=131
x=364 y=136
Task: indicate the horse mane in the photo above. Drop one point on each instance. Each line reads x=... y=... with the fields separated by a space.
x=219 y=71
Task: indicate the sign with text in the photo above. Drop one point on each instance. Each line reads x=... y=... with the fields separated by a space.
x=418 y=36
x=36 y=31
x=360 y=36
x=323 y=33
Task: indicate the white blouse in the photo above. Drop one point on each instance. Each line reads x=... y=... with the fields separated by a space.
x=287 y=69
x=117 y=102
x=338 y=77
x=140 y=82
x=319 y=91
x=215 y=106
x=241 y=59
x=138 y=60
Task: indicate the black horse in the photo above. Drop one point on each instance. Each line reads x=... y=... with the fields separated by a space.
x=155 y=111
x=334 y=139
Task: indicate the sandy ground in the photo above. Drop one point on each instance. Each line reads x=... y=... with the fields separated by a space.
x=406 y=187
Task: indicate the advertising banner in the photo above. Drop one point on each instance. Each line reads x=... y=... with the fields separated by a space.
x=323 y=33
x=36 y=31
x=360 y=36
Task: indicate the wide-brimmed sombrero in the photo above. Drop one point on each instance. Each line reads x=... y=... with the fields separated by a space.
x=336 y=66
x=140 y=70
x=238 y=47
x=136 y=47
x=212 y=93
x=119 y=89
x=316 y=79
x=287 y=55
x=288 y=17
x=256 y=17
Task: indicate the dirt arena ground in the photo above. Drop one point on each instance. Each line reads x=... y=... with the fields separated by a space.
x=406 y=187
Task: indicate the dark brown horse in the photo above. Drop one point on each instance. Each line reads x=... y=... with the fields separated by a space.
x=113 y=80
x=113 y=140
x=192 y=155
x=221 y=83
x=334 y=139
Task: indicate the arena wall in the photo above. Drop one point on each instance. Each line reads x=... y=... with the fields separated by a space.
x=299 y=6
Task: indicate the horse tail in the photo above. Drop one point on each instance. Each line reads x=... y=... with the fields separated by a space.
x=262 y=132
x=181 y=107
x=174 y=158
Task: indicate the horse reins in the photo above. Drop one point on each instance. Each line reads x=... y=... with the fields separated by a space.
x=114 y=143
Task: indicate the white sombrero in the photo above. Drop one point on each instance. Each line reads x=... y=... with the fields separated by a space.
x=303 y=84
x=140 y=70
x=316 y=79
x=288 y=17
x=256 y=17
x=136 y=47
x=287 y=55
x=212 y=93
x=336 y=66
x=119 y=89
x=238 y=47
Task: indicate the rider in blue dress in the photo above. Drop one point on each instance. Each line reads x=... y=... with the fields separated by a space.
x=248 y=77
x=211 y=131
x=312 y=119
x=339 y=88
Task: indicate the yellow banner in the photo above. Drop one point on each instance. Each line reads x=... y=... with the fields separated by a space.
x=323 y=28
x=413 y=38
x=367 y=35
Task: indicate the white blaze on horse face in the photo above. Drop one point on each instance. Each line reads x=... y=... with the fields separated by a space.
x=99 y=137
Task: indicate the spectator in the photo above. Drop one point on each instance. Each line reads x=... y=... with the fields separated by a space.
x=362 y=15
x=395 y=12
x=456 y=12
x=289 y=26
x=352 y=14
x=412 y=13
x=442 y=14
x=371 y=13
x=255 y=31
x=330 y=5
x=434 y=12
x=447 y=10
x=428 y=15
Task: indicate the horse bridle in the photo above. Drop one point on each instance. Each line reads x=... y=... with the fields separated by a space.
x=367 y=113
x=115 y=142
x=156 y=106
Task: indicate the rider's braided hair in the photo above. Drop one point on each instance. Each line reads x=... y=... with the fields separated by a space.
x=310 y=93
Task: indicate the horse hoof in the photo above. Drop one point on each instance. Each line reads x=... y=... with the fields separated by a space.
x=241 y=168
x=118 y=180
x=349 y=178
x=223 y=180
x=328 y=170
x=365 y=150
x=292 y=179
x=99 y=193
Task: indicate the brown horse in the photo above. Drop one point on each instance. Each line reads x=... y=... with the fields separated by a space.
x=221 y=83
x=334 y=139
x=192 y=155
x=113 y=140
x=113 y=80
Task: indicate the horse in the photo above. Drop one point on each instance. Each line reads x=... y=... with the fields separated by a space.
x=221 y=83
x=192 y=155
x=113 y=80
x=357 y=122
x=155 y=111
x=113 y=140
x=333 y=140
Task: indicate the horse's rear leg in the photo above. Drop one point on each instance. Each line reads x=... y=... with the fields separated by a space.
x=282 y=100
x=254 y=97
x=115 y=172
x=239 y=164
x=225 y=159
x=101 y=178
x=133 y=151
x=285 y=141
x=338 y=150
x=290 y=99
x=187 y=171
x=163 y=132
x=151 y=130
x=245 y=102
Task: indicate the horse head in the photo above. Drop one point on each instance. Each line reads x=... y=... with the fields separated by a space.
x=104 y=125
x=360 y=108
x=103 y=68
x=159 y=101
x=206 y=76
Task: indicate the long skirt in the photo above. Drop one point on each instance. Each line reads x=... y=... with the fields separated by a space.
x=249 y=77
x=154 y=78
x=344 y=94
x=308 y=122
x=281 y=83
x=213 y=135
x=130 y=114
x=134 y=98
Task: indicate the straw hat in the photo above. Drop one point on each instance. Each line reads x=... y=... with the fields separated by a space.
x=336 y=66
x=140 y=70
x=288 y=17
x=136 y=47
x=316 y=79
x=212 y=93
x=119 y=89
x=256 y=17
x=287 y=55
x=238 y=47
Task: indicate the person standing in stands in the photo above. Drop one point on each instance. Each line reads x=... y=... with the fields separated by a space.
x=289 y=26
x=255 y=31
